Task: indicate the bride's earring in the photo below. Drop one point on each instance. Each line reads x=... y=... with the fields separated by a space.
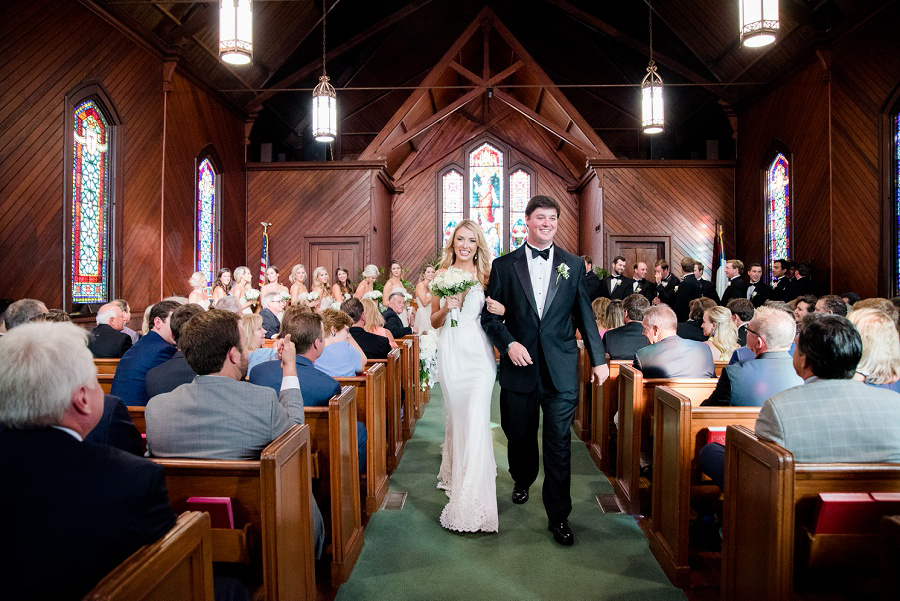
x=476 y=256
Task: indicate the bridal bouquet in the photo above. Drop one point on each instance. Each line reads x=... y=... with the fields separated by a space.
x=451 y=282
x=375 y=295
x=336 y=306
x=252 y=295
x=428 y=358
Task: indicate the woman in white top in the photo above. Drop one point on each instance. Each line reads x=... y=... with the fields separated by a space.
x=198 y=294
x=423 y=295
x=297 y=277
x=368 y=283
x=394 y=282
x=320 y=286
x=272 y=284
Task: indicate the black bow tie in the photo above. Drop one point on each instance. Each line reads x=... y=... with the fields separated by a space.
x=535 y=253
x=617 y=278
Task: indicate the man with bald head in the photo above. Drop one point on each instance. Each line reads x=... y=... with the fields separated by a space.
x=640 y=284
x=669 y=355
x=107 y=340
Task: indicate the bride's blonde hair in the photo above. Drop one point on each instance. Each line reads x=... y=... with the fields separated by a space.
x=482 y=257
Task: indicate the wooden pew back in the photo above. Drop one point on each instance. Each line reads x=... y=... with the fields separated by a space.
x=177 y=567
x=604 y=404
x=394 y=400
x=720 y=367
x=679 y=432
x=635 y=415
x=767 y=495
x=414 y=379
x=371 y=395
x=274 y=496
x=106 y=366
x=410 y=415
x=333 y=436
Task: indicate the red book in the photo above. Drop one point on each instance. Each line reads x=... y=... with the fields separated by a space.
x=715 y=434
x=219 y=509
x=846 y=513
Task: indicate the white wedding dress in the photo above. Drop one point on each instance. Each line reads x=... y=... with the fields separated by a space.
x=468 y=470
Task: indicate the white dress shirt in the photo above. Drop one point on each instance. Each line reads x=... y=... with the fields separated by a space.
x=751 y=289
x=540 y=272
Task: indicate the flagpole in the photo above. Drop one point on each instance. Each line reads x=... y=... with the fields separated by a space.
x=264 y=257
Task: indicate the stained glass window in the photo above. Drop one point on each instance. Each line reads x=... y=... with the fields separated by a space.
x=486 y=194
x=207 y=216
x=90 y=205
x=452 y=193
x=778 y=210
x=519 y=193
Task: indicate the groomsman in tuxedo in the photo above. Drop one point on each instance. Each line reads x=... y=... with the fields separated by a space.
x=640 y=284
x=616 y=286
x=591 y=281
x=758 y=292
x=665 y=284
x=781 y=291
x=737 y=287
x=687 y=290
x=707 y=288
x=802 y=285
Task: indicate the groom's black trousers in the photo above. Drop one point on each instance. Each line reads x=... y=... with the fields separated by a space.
x=519 y=418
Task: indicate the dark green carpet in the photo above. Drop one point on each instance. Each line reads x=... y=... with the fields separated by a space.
x=407 y=555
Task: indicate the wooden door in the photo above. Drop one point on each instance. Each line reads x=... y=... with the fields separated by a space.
x=334 y=252
x=635 y=249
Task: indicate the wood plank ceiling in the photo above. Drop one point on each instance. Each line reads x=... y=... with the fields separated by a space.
x=378 y=52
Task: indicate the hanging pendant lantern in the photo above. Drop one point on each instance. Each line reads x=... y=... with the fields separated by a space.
x=236 y=31
x=324 y=111
x=759 y=22
x=652 y=108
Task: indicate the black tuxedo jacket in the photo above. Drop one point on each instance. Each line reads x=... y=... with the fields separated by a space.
x=665 y=290
x=742 y=335
x=270 y=322
x=593 y=285
x=691 y=330
x=108 y=343
x=373 y=345
x=644 y=287
x=622 y=290
x=761 y=293
x=116 y=428
x=393 y=324
x=688 y=289
x=708 y=289
x=75 y=511
x=737 y=288
x=802 y=287
x=625 y=341
x=551 y=338
x=170 y=375
x=782 y=290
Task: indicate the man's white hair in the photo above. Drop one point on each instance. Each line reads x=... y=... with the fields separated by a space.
x=662 y=317
x=775 y=326
x=41 y=365
x=106 y=313
x=270 y=296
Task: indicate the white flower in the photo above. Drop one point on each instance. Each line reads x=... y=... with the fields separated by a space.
x=312 y=296
x=336 y=306
x=346 y=296
x=428 y=347
x=407 y=296
x=374 y=295
x=562 y=270
x=251 y=294
x=286 y=296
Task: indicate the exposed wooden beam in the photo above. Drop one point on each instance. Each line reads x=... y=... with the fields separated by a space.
x=416 y=149
x=491 y=81
x=562 y=156
x=312 y=67
x=551 y=168
x=439 y=116
x=545 y=123
x=381 y=95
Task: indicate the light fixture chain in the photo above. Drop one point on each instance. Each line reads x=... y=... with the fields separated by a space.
x=324 y=12
x=650 y=7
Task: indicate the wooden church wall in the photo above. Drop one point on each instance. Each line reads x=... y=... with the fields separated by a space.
x=47 y=54
x=682 y=200
x=308 y=202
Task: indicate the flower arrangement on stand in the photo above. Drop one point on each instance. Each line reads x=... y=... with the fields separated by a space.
x=428 y=359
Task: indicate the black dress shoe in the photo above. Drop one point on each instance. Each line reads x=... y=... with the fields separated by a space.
x=562 y=533
x=519 y=495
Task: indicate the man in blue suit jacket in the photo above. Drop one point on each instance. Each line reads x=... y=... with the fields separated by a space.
x=308 y=334
x=157 y=347
x=176 y=371
x=668 y=355
x=749 y=384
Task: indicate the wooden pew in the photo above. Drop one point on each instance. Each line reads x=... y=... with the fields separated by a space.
x=635 y=416
x=106 y=366
x=582 y=421
x=336 y=472
x=680 y=430
x=177 y=567
x=414 y=379
x=767 y=497
x=410 y=417
x=137 y=416
x=371 y=400
x=720 y=367
x=604 y=404
x=274 y=496
x=395 y=443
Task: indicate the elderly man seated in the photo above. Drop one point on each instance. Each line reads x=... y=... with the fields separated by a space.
x=74 y=509
x=392 y=315
x=670 y=356
x=107 y=340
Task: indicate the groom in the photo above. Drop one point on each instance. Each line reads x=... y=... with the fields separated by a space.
x=543 y=289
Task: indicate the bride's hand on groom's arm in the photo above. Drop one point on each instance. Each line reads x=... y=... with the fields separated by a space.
x=600 y=373
x=495 y=307
x=518 y=354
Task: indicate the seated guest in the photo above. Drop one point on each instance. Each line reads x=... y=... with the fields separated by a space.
x=107 y=340
x=23 y=311
x=851 y=298
x=722 y=333
x=254 y=335
x=374 y=321
x=229 y=303
x=116 y=428
x=882 y=304
x=668 y=355
x=737 y=287
x=692 y=329
x=341 y=357
x=623 y=342
x=396 y=305
x=749 y=384
x=306 y=329
x=615 y=314
x=55 y=316
x=741 y=314
x=373 y=345
x=831 y=304
x=155 y=348
x=640 y=284
x=75 y=510
x=880 y=363
x=126 y=312
x=273 y=304
x=803 y=306
x=176 y=371
x=598 y=306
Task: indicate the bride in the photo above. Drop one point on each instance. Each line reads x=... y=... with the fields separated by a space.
x=466 y=363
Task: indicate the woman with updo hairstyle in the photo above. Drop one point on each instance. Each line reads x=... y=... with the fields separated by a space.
x=599 y=306
x=343 y=287
x=222 y=287
x=615 y=314
x=722 y=333
x=880 y=363
x=394 y=282
x=375 y=321
x=198 y=294
x=272 y=284
x=368 y=282
x=297 y=277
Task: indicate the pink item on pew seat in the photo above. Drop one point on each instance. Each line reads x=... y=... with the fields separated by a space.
x=715 y=434
x=219 y=509
x=846 y=513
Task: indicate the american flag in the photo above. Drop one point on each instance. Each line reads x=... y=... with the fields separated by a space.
x=264 y=259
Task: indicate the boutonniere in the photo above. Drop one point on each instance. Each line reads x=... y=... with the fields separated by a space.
x=638 y=289
x=676 y=289
x=754 y=294
x=562 y=270
x=728 y=284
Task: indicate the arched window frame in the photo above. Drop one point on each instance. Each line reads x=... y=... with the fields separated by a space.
x=532 y=184
x=777 y=148
x=93 y=91
x=890 y=194
x=464 y=169
x=208 y=153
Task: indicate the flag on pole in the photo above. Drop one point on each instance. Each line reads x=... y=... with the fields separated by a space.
x=264 y=259
x=721 y=278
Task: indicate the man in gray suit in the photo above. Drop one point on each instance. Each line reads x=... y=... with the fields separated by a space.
x=748 y=384
x=218 y=415
x=670 y=356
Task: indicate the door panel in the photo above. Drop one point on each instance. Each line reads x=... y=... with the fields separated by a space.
x=331 y=253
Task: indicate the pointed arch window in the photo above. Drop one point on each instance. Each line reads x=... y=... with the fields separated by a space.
x=452 y=195
x=208 y=227
x=519 y=194
x=778 y=209
x=486 y=194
